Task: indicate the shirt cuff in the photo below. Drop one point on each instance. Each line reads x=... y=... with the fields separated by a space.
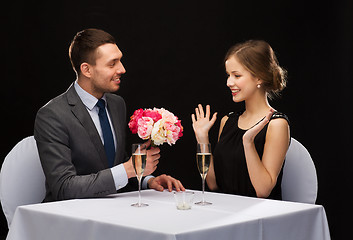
x=145 y=181
x=119 y=176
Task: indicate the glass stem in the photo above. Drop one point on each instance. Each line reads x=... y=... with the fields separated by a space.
x=139 y=180
x=203 y=189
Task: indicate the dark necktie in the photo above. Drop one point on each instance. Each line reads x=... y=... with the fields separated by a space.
x=107 y=132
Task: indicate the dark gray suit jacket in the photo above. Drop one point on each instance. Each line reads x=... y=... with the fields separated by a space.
x=71 y=150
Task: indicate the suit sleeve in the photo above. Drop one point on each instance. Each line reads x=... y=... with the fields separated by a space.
x=62 y=180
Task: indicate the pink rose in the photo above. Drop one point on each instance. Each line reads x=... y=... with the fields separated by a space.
x=158 y=124
x=134 y=119
x=172 y=132
x=145 y=125
x=167 y=116
x=178 y=123
x=152 y=114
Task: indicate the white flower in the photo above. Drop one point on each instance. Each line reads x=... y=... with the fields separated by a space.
x=158 y=133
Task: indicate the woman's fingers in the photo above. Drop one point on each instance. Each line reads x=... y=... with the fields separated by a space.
x=197 y=113
x=214 y=117
x=202 y=114
x=208 y=111
x=193 y=118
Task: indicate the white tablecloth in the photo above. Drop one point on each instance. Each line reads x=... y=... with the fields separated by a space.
x=229 y=217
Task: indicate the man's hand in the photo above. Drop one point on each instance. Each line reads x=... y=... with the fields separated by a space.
x=153 y=155
x=151 y=162
x=164 y=181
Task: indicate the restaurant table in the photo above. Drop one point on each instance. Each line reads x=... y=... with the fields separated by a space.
x=113 y=217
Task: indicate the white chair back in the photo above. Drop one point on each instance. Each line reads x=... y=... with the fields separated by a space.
x=22 y=180
x=299 y=181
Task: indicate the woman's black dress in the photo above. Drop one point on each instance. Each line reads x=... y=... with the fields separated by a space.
x=230 y=166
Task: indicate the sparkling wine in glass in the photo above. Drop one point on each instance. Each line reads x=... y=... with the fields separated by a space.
x=203 y=158
x=139 y=156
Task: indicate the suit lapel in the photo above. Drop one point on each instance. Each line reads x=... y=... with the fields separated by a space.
x=81 y=113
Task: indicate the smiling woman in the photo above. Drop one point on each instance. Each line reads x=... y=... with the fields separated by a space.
x=248 y=158
x=258 y=58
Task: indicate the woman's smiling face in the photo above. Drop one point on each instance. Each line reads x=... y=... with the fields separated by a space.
x=240 y=81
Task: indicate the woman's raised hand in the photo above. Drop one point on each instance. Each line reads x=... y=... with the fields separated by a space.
x=250 y=134
x=202 y=123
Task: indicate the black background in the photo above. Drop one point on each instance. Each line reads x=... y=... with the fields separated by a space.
x=173 y=54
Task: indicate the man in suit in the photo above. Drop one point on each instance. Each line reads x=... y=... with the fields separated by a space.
x=71 y=138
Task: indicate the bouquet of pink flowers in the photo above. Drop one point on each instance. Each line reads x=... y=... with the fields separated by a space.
x=158 y=124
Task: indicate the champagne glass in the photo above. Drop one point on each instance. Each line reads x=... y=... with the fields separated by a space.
x=139 y=156
x=203 y=158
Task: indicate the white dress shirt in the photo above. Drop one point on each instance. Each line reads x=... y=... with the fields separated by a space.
x=118 y=171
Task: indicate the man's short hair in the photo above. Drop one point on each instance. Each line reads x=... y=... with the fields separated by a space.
x=83 y=47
